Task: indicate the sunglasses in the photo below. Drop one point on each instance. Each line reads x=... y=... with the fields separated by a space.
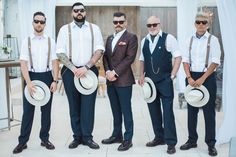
x=39 y=21
x=78 y=10
x=152 y=25
x=199 y=22
x=116 y=22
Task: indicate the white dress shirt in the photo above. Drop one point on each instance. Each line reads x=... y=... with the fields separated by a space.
x=81 y=40
x=199 y=50
x=171 y=45
x=116 y=38
x=39 y=51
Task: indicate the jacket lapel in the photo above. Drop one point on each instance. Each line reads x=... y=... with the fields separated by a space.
x=121 y=39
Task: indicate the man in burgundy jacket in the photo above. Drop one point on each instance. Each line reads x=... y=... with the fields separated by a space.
x=120 y=53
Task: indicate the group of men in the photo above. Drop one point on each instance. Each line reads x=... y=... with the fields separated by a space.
x=83 y=43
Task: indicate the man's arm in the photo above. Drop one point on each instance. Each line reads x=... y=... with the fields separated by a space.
x=177 y=62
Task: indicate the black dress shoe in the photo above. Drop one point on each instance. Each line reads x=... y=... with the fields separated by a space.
x=171 y=149
x=48 y=145
x=91 y=144
x=188 y=145
x=155 y=142
x=212 y=151
x=112 y=139
x=74 y=144
x=19 y=148
x=125 y=145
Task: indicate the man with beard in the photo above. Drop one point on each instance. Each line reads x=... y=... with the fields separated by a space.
x=38 y=60
x=120 y=53
x=157 y=49
x=82 y=42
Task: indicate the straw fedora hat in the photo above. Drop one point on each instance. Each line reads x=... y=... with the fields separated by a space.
x=87 y=84
x=41 y=96
x=149 y=90
x=196 y=96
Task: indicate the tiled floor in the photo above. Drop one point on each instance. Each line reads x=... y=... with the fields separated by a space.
x=61 y=134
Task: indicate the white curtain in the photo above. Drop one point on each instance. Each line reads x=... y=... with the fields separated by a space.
x=227 y=17
x=186 y=12
x=26 y=10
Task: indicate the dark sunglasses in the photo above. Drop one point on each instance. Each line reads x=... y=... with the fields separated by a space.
x=116 y=22
x=152 y=25
x=199 y=22
x=39 y=21
x=78 y=10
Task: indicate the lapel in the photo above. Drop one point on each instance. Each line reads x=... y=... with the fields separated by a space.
x=121 y=39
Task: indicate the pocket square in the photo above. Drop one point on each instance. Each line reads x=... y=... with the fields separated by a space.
x=122 y=43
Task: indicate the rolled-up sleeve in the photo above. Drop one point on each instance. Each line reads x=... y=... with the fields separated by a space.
x=53 y=50
x=173 y=46
x=141 y=57
x=215 y=51
x=61 y=40
x=98 y=40
x=24 y=52
x=185 y=53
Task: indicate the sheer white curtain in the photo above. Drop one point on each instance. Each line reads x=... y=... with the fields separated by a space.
x=186 y=12
x=227 y=17
x=26 y=10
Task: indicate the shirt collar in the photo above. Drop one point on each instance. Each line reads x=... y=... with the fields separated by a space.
x=119 y=34
x=206 y=35
x=158 y=34
x=33 y=36
x=86 y=23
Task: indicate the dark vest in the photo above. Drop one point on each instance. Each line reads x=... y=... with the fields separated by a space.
x=157 y=65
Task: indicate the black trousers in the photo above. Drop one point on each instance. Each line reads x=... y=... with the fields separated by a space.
x=208 y=112
x=164 y=115
x=81 y=107
x=120 y=100
x=28 y=111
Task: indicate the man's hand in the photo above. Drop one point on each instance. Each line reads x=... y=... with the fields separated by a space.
x=141 y=80
x=110 y=75
x=53 y=87
x=80 y=72
x=31 y=88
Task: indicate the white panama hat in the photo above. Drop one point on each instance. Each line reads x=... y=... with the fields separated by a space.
x=87 y=84
x=196 y=96
x=149 y=90
x=41 y=96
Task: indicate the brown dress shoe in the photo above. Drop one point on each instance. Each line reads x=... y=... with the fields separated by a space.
x=19 y=148
x=155 y=142
x=188 y=145
x=48 y=145
x=171 y=149
x=112 y=139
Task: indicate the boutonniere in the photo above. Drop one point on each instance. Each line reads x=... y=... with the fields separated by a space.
x=122 y=43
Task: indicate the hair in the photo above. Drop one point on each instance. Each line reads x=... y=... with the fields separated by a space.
x=202 y=15
x=77 y=4
x=40 y=14
x=119 y=14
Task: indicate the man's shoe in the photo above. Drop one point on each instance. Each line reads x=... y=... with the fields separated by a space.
x=91 y=144
x=74 y=144
x=188 y=145
x=48 y=145
x=112 y=139
x=212 y=151
x=19 y=148
x=125 y=145
x=171 y=149
x=155 y=142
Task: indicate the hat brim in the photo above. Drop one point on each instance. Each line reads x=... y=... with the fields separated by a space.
x=83 y=90
x=200 y=103
x=153 y=88
x=34 y=102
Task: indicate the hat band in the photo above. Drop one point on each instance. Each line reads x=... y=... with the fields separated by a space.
x=200 y=91
x=151 y=88
x=82 y=85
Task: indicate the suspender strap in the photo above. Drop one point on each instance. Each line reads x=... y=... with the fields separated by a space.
x=208 y=50
x=49 y=53
x=92 y=36
x=70 y=42
x=190 y=48
x=30 y=55
x=70 y=45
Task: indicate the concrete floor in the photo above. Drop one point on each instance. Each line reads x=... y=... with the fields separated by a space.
x=61 y=134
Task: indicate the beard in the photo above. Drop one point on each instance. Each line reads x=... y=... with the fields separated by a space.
x=79 y=20
x=38 y=30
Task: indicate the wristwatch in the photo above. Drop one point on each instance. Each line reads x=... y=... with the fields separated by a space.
x=56 y=81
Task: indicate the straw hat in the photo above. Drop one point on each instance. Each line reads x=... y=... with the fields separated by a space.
x=149 y=90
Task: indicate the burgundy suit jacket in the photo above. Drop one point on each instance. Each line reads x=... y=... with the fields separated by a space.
x=121 y=58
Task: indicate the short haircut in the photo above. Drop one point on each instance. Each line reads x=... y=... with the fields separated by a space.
x=40 y=14
x=119 y=14
x=202 y=15
x=77 y=4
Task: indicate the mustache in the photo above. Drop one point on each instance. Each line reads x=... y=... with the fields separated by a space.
x=118 y=27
